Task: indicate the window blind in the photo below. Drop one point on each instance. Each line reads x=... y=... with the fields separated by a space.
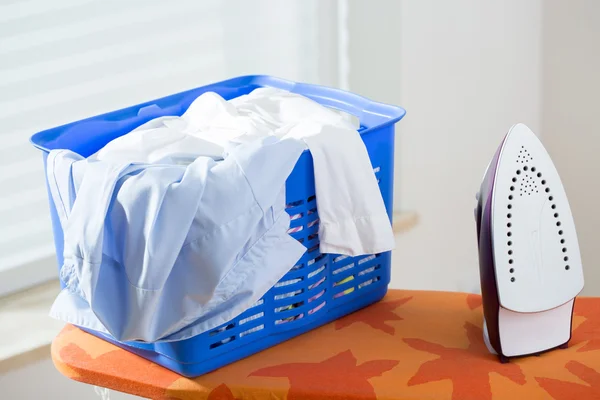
x=64 y=60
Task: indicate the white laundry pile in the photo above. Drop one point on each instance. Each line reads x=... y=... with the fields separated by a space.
x=180 y=225
x=353 y=218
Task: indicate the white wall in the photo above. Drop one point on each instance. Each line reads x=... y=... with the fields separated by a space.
x=571 y=119
x=465 y=71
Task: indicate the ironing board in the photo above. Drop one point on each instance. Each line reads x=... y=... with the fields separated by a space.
x=411 y=345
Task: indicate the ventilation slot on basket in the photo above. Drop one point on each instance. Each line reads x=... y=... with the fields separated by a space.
x=288 y=319
x=314 y=298
x=317 y=259
x=317 y=283
x=344 y=268
x=288 y=282
x=294 y=204
x=296 y=229
x=342 y=281
x=286 y=308
x=291 y=306
x=376 y=170
x=258 y=303
x=251 y=318
x=289 y=294
x=249 y=331
x=221 y=329
x=370 y=269
x=368 y=258
x=317 y=308
x=297 y=266
x=296 y=212
x=347 y=291
x=296 y=216
x=317 y=271
x=368 y=282
x=222 y=342
x=339 y=258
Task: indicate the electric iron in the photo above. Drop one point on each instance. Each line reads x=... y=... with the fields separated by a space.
x=529 y=261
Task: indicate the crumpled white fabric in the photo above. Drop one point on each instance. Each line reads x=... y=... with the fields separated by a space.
x=353 y=217
x=163 y=251
x=352 y=214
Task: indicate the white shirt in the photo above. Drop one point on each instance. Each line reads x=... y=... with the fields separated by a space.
x=165 y=251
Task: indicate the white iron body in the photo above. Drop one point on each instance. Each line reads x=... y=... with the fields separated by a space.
x=530 y=264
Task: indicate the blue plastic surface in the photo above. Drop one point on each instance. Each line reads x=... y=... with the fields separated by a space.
x=320 y=288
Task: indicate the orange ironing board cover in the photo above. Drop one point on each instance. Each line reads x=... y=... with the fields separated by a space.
x=411 y=345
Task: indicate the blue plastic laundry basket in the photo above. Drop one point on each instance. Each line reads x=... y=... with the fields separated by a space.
x=320 y=288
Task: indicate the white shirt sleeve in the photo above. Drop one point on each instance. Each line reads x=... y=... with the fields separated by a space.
x=352 y=214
